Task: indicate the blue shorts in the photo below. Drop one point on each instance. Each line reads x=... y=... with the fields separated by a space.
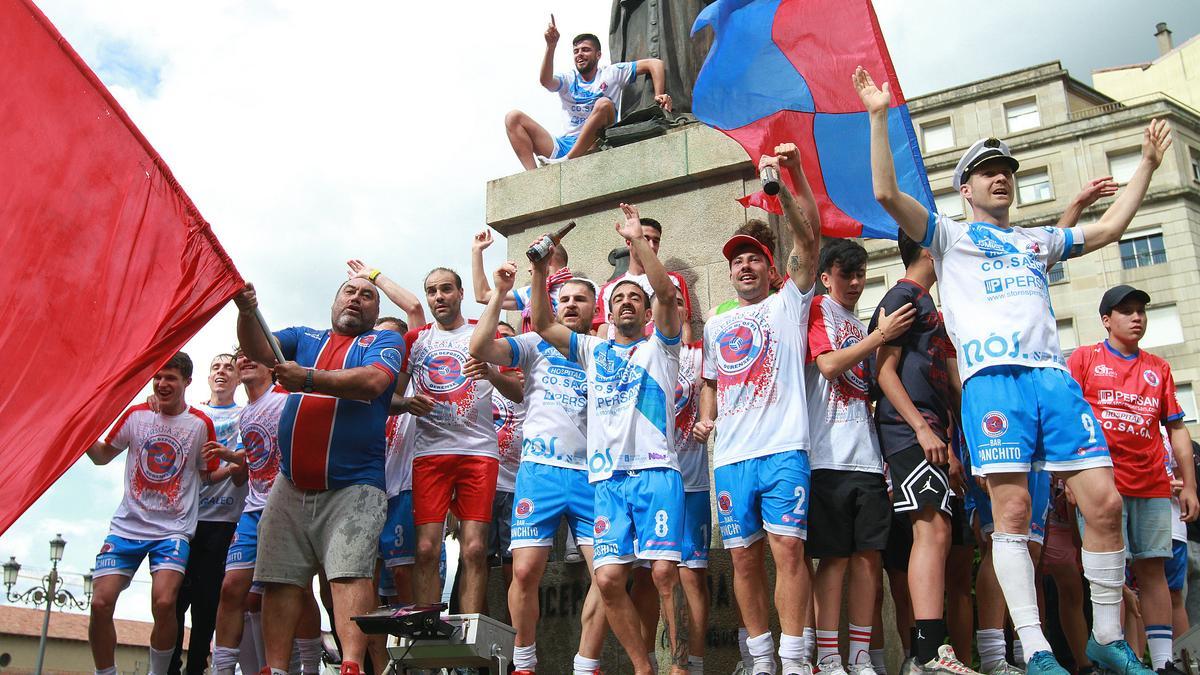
x=123 y=556
x=763 y=494
x=979 y=504
x=1017 y=418
x=243 y=548
x=1177 y=566
x=1146 y=525
x=563 y=145
x=543 y=495
x=639 y=516
x=398 y=540
x=697 y=529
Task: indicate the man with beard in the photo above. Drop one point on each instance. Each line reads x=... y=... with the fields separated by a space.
x=328 y=507
x=591 y=100
x=552 y=479
x=455 y=456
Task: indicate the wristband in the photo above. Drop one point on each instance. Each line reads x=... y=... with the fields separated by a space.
x=308 y=382
x=373 y=275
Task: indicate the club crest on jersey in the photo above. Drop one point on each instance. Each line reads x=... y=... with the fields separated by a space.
x=366 y=340
x=1104 y=371
x=444 y=372
x=162 y=458
x=725 y=502
x=257 y=442
x=740 y=346
x=995 y=424
x=856 y=376
x=1150 y=377
x=601 y=525
x=609 y=363
x=106 y=548
x=524 y=507
x=391 y=357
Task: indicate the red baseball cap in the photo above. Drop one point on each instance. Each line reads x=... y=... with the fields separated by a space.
x=741 y=240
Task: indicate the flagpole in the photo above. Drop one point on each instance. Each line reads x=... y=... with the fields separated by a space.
x=262 y=323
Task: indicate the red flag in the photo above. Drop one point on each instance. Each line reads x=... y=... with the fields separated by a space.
x=108 y=267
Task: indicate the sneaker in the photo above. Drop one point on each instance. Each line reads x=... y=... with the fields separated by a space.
x=1117 y=657
x=1004 y=668
x=831 y=666
x=1043 y=663
x=543 y=160
x=861 y=669
x=350 y=668
x=946 y=663
x=1170 y=669
x=522 y=672
x=796 y=668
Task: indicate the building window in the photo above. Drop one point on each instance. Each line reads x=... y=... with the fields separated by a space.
x=1142 y=248
x=1034 y=187
x=949 y=204
x=1195 y=157
x=1022 y=115
x=1187 y=401
x=1066 y=335
x=1058 y=273
x=1162 y=327
x=937 y=135
x=872 y=293
x=1121 y=165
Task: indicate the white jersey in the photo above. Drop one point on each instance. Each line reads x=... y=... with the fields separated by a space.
x=841 y=430
x=397 y=466
x=260 y=441
x=692 y=454
x=1178 y=527
x=162 y=472
x=508 y=418
x=579 y=96
x=461 y=421
x=556 y=396
x=631 y=402
x=224 y=500
x=756 y=356
x=995 y=293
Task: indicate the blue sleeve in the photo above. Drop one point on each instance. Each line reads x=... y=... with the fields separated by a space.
x=386 y=352
x=930 y=229
x=1071 y=248
x=522 y=296
x=574 y=350
x=289 y=339
x=514 y=346
x=669 y=341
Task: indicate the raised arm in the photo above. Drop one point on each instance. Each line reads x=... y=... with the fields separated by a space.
x=250 y=334
x=666 y=318
x=484 y=346
x=406 y=300
x=1155 y=141
x=658 y=77
x=803 y=218
x=540 y=315
x=547 y=74
x=1093 y=190
x=908 y=212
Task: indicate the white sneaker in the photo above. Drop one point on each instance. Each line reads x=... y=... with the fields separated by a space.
x=543 y=160
x=862 y=669
x=791 y=667
x=946 y=663
x=832 y=666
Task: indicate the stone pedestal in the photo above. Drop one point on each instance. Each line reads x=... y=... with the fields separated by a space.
x=688 y=180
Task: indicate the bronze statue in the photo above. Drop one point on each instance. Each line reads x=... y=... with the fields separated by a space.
x=659 y=29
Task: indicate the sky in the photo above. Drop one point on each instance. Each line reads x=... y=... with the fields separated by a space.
x=310 y=132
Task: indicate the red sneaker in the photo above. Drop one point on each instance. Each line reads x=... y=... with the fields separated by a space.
x=523 y=672
x=350 y=668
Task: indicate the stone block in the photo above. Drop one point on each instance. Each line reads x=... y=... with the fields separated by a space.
x=529 y=194
x=611 y=175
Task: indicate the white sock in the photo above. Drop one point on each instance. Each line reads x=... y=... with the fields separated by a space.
x=225 y=658
x=860 y=644
x=254 y=627
x=1014 y=571
x=525 y=658
x=111 y=670
x=585 y=666
x=1019 y=653
x=160 y=661
x=247 y=649
x=310 y=655
x=810 y=642
x=878 y=662
x=991 y=647
x=1105 y=573
x=791 y=652
x=747 y=660
x=1159 y=640
x=695 y=665
x=762 y=651
x=827 y=646
x=653 y=661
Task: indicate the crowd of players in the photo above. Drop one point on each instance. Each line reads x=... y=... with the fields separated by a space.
x=842 y=447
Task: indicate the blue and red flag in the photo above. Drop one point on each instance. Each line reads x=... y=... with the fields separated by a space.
x=779 y=71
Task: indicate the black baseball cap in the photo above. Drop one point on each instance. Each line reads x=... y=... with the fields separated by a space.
x=1118 y=294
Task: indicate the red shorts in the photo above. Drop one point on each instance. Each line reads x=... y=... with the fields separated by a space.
x=464 y=484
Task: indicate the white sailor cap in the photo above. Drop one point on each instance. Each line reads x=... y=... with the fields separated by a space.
x=980 y=152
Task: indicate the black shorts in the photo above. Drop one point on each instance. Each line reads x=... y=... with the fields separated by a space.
x=500 y=533
x=848 y=513
x=917 y=484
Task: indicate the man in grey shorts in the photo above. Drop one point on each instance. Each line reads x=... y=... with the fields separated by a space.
x=328 y=505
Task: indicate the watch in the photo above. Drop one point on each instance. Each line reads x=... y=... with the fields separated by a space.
x=308 y=382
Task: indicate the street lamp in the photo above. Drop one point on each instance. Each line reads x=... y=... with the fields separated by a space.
x=49 y=592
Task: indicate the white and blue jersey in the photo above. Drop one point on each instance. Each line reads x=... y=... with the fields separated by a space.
x=578 y=96
x=224 y=500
